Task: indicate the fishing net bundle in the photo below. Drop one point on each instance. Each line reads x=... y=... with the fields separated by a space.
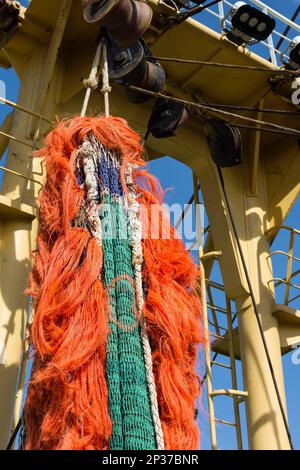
x=117 y=318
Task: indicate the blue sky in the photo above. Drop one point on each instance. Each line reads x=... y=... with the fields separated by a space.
x=178 y=177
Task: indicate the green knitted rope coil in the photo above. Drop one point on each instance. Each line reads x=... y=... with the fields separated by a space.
x=112 y=354
x=128 y=394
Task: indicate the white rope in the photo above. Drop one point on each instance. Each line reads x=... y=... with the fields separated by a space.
x=136 y=231
x=92 y=82
x=106 y=89
x=86 y=159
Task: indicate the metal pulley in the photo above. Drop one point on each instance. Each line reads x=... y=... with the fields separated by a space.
x=126 y=20
x=135 y=66
x=167 y=117
x=225 y=143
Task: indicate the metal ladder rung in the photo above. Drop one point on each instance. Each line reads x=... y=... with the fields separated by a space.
x=214 y=285
x=217 y=326
x=227 y=423
x=212 y=254
x=221 y=331
x=214 y=335
x=229 y=392
x=217 y=309
x=16 y=139
x=219 y=364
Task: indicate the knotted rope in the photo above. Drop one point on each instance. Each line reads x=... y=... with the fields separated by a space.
x=92 y=82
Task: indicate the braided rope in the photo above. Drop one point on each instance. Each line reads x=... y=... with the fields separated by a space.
x=106 y=88
x=86 y=156
x=136 y=233
x=92 y=82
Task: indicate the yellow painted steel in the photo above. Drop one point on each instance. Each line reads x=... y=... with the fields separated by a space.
x=51 y=53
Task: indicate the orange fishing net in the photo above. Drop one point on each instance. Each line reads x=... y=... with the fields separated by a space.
x=67 y=404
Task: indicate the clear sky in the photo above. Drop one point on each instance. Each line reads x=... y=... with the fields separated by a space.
x=178 y=178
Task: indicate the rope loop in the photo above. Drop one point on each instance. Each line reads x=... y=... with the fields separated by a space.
x=106 y=89
x=91 y=82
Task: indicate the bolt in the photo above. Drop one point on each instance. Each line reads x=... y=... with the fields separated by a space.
x=16 y=5
x=120 y=58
